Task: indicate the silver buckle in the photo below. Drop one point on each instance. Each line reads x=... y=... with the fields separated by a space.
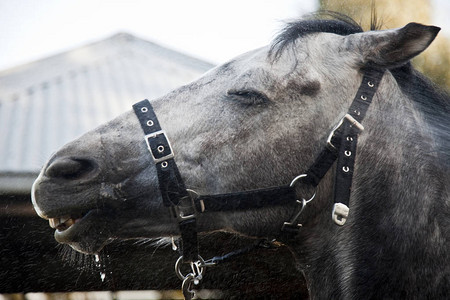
x=181 y=212
x=353 y=123
x=154 y=135
x=181 y=216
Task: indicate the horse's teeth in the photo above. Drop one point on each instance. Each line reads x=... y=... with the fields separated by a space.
x=67 y=221
x=54 y=222
x=64 y=219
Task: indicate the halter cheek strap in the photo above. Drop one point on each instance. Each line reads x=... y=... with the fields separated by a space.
x=341 y=146
x=170 y=182
x=349 y=139
x=171 y=185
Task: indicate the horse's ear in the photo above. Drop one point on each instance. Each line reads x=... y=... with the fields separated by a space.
x=391 y=48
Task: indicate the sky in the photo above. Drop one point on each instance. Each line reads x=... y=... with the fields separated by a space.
x=213 y=30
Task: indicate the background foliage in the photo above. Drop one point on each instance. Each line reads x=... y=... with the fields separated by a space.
x=434 y=62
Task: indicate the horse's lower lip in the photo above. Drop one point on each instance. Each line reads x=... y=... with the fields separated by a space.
x=66 y=227
x=90 y=233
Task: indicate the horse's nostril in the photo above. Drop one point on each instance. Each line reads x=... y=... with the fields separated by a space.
x=70 y=168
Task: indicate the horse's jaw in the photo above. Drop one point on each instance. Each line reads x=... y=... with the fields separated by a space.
x=86 y=229
x=88 y=234
x=101 y=220
x=90 y=199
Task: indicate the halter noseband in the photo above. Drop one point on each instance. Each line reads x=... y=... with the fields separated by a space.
x=186 y=204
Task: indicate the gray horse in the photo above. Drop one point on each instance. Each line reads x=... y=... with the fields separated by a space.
x=259 y=121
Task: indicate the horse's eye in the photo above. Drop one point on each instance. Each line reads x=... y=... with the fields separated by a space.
x=248 y=96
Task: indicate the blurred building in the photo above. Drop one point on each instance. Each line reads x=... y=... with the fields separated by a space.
x=47 y=103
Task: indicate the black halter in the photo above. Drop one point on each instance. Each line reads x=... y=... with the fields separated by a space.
x=186 y=204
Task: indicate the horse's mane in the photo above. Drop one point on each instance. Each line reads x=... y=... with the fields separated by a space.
x=322 y=21
x=433 y=102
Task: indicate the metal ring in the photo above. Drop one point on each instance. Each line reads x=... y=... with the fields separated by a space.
x=201 y=262
x=194 y=196
x=369 y=83
x=347 y=153
x=363 y=97
x=297 y=178
x=150 y=123
x=186 y=286
x=300 y=177
x=345 y=169
x=160 y=148
x=164 y=164
x=144 y=109
x=350 y=139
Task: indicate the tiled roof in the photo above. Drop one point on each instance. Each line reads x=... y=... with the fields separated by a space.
x=47 y=103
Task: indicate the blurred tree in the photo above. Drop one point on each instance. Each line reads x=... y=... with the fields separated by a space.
x=434 y=62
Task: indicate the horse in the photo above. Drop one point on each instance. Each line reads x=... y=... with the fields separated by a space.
x=260 y=120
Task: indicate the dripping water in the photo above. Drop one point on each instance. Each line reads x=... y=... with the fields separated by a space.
x=100 y=264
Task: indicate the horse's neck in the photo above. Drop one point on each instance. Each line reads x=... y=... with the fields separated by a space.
x=381 y=249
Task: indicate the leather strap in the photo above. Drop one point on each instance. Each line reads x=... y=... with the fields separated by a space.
x=247 y=199
x=357 y=111
x=170 y=182
x=171 y=185
x=351 y=127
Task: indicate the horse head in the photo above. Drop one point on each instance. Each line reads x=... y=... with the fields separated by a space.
x=255 y=122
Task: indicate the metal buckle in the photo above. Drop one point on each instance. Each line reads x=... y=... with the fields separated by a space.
x=154 y=135
x=352 y=121
x=180 y=214
x=180 y=211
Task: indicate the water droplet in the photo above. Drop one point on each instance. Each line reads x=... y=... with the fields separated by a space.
x=174 y=246
x=100 y=265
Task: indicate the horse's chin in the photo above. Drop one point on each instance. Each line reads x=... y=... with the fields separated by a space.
x=86 y=248
x=89 y=234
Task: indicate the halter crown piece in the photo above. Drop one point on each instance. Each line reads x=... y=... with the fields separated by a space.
x=186 y=204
